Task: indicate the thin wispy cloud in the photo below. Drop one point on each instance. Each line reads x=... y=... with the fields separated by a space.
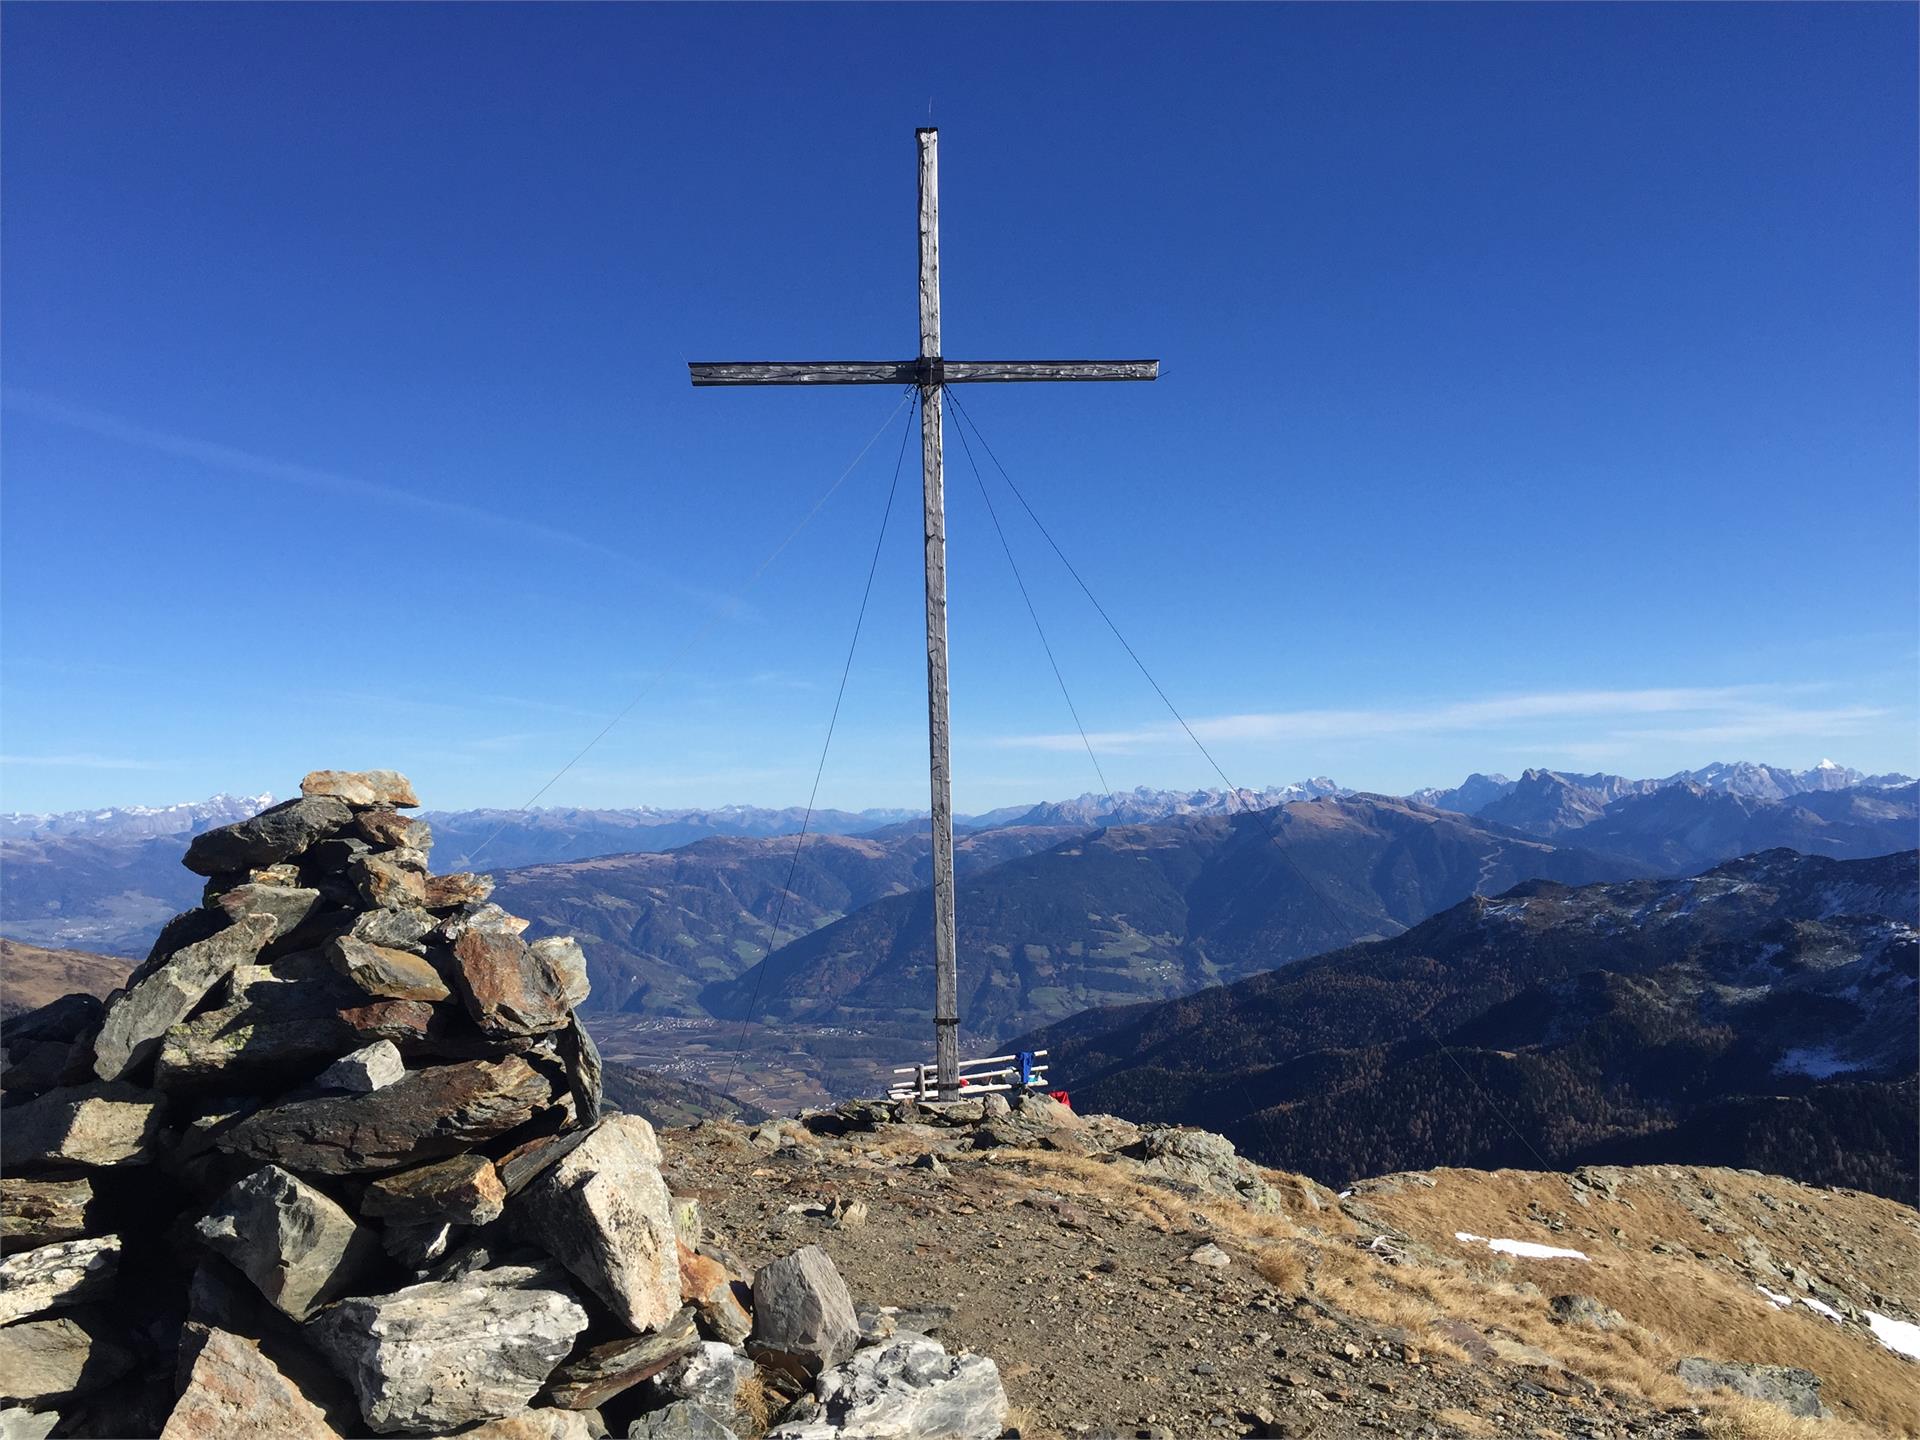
x=231 y=458
x=1706 y=714
x=81 y=762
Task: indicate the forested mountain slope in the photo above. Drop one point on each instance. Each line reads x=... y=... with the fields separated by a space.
x=1762 y=1014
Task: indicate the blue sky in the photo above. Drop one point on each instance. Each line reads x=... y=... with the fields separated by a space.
x=1539 y=388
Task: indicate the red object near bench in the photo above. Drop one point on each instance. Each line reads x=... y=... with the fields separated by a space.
x=1061 y=1096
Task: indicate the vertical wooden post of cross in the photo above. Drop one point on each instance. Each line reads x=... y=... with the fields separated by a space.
x=946 y=980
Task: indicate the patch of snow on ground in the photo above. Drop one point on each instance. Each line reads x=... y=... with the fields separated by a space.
x=1785 y=1302
x=1900 y=1336
x=1525 y=1249
x=1821 y=1308
x=1818 y=1062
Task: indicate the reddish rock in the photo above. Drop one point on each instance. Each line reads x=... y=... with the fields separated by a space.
x=236 y=1393
x=465 y=1190
x=390 y=879
x=512 y=988
x=385 y=972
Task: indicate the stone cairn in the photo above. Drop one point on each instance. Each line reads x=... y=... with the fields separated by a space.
x=333 y=1162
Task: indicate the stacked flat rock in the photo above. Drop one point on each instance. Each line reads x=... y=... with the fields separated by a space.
x=333 y=1162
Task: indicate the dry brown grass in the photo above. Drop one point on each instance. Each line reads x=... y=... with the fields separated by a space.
x=1097 y=1181
x=1284 y=1267
x=1736 y=1419
x=1676 y=1303
x=756 y=1400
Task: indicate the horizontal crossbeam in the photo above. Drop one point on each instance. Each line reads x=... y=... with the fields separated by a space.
x=914 y=372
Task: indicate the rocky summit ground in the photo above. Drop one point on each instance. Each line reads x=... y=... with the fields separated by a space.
x=1150 y=1282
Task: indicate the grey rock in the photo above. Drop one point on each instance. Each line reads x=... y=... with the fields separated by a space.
x=389 y=829
x=234 y=1392
x=56 y=1276
x=905 y=1389
x=803 y=1319
x=446 y=1353
x=1584 y=1310
x=590 y=1380
x=682 y=1420
x=370 y=1068
x=40 y=1212
x=1206 y=1161
x=582 y=1059
x=65 y=1019
x=138 y=1016
x=284 y=1022
x=995 y=1107
x=17 y=1423
x=1792 y=1389
x=288 y=906
x=386 y=973
x=297 y=1245
x=111 y=1124
x=1212 y=1256
x=387 y=788
x=443 y=1110
x=710 y=1376
x=603 y=1211
x=403 y=928
x=688 y=1228
x=269 y=837
x=33 y=1067
x=45 y=1361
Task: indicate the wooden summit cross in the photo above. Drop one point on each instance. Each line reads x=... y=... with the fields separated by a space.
x=929 y=371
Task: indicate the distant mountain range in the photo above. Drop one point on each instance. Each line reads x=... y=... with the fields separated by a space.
x=105 y=880
x=1142 y=911
x=1762 y=1014
x=135 y=822
x=659 y=928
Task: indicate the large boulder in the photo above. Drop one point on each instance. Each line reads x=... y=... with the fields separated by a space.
x=56 y=1276
x=165 y=995
x=366 y=788
x=276 y=1033
x=906 y=1389
x=288 y=906
x=513 y=988
x=386 y=972
x=234 y=1392
x=439 y=1111
x=390 y=879
x=297 y=1245
x=269 y=837
x=39 y=1212
x=1792 y=1389
x=803 y=1319
x=110 y=1124
x=446 y=1353
x=603 y=1211
x=46 y=1361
